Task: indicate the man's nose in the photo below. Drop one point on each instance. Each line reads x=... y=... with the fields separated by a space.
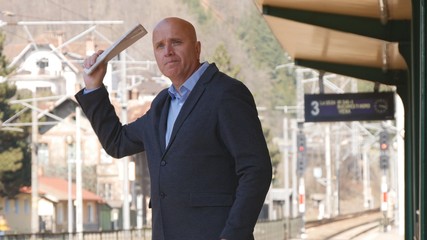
x=168 y=50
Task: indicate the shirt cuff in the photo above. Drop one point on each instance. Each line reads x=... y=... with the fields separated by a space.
x=86 y=91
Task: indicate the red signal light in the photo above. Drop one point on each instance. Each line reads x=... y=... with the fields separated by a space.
x=385 y=197
x=384 y=146
x=301 y=199
x=301 y=148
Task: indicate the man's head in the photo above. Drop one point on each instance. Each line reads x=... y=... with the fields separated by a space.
x=176 y=49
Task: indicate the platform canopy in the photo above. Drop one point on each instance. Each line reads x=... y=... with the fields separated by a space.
x=357 y=38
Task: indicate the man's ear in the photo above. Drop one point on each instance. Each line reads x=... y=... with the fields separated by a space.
x=198 y=49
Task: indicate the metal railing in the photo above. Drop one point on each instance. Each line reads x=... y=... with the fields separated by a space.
x=270 y=230
x=137 y=234
x=264 y=230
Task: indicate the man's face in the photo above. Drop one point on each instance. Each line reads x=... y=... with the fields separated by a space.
x=176 y=49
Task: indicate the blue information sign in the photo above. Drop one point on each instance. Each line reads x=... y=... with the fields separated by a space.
x=349 y=107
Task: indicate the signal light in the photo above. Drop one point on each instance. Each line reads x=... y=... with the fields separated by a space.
x=301 y=159
x=384 y=146
x=301 y=142
x=384 y=155
x=383 y=140
x=384 y=161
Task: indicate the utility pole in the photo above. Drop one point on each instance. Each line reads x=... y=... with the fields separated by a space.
x=79 y=194
x=124 y=102
x=34 y=171
x=286 y=166
x=286 y=174
x=300 y=123
x=299 y=74
x=301 y=165
x=355 y=143
x=337 y=174
x=294 y=169
x=384 y=165
x=69 y=140
x=328 y=169
x=367 y=191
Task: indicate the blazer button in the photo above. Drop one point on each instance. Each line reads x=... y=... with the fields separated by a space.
x=163 y=163
x=162 y=195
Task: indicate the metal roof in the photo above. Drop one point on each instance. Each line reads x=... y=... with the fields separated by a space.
x=359 y=38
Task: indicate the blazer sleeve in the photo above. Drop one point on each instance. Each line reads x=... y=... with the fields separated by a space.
x=241 y=131
x=117 y=140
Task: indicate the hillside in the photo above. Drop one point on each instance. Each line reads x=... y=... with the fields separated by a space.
x=217 y=21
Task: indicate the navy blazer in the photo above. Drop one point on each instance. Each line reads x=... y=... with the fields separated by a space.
x=210 y=182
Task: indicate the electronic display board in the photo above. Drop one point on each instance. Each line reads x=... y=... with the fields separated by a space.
x=349 y=107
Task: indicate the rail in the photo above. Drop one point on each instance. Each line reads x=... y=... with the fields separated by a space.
x=315 y=223
x=344 y=227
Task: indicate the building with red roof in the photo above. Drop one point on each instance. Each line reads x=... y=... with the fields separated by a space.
x=53 y=208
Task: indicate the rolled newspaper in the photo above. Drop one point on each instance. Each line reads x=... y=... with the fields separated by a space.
x=126 y=40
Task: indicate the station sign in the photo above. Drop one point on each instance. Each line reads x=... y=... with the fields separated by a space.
x=349 y=107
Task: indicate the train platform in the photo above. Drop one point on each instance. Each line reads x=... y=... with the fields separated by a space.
x=392 y=234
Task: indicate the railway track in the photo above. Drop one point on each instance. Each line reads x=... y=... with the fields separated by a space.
x=346 y=227
x=314 y=223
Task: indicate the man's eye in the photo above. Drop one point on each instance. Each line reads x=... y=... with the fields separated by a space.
x=175 y=43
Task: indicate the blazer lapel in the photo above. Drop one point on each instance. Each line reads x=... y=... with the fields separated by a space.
x=164 y=111
x=192 y=100
x=185 y=111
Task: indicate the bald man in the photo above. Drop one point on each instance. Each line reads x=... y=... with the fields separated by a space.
x=209 y=164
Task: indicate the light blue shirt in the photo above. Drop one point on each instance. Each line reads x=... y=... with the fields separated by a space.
x=178 y=98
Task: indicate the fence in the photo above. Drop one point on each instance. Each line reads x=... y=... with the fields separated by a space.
x=137 y=234
x=264 y=230
x=270 y=230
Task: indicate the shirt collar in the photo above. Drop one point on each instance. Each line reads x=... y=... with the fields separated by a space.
x=189 y=83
